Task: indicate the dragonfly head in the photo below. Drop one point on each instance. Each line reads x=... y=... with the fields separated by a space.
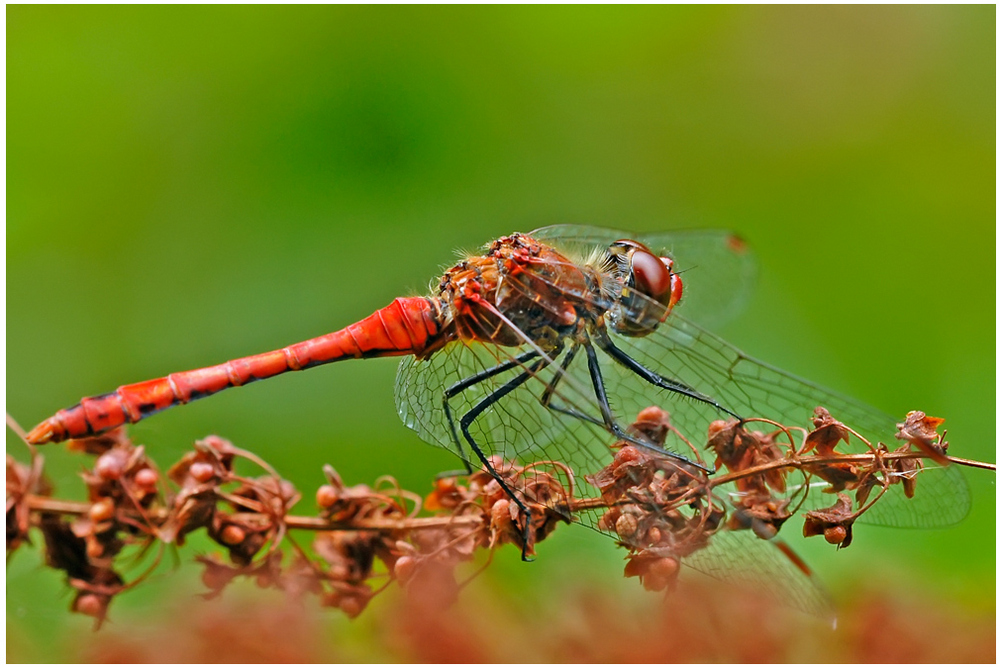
x=646 y=278
x=648 y=274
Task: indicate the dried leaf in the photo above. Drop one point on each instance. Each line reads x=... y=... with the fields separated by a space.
x=835 y=522
x=827 y=433
x=655 y=569
x=920 y=431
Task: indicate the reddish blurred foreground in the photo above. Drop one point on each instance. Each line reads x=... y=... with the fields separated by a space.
x=698 y=623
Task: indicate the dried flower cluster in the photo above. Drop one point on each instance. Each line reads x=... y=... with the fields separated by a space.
x=660 y=508
x=664 y=510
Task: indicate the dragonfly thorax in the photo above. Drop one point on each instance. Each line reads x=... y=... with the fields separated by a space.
x=520 y=289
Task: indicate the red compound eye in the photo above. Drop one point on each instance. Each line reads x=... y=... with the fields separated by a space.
x=652 y=277
x=676 y=289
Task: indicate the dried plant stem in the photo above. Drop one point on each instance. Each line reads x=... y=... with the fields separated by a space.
x=45 y=504
x=660 y=509
x=973 y=463
x=864 y=458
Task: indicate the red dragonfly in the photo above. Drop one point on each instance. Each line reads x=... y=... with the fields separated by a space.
x=547 y=343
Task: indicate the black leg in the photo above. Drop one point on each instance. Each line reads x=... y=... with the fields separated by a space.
x=650 y=376
x=451 y=473
x=546 y=398
x=609 y=420
x=474 y=379
x=475 y=412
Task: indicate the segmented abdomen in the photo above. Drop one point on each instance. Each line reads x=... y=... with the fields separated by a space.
x=404 y=327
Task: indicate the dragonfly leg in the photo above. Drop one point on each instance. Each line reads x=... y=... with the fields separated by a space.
x=465 y=384
x=650 y=376
x=451 y=473
x=475 y=412
x=550 y=388
x=609 y=421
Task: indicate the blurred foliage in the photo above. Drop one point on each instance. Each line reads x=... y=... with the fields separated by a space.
x=191 y=184
x=582 y=623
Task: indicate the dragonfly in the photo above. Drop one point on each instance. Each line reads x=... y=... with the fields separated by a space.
x=547 y=343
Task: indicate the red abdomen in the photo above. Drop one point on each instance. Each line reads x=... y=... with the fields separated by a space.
x=407 y=326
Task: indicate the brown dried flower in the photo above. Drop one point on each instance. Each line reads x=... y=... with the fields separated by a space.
x=665 y=511
x=834 y=523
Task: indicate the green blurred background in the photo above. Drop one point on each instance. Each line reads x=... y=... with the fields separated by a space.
x=191 y=184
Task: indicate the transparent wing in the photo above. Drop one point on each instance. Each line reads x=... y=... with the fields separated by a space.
x=718 y=268
x=521 y=429
x=682 y=351
x=517 y=427
x=744 y=559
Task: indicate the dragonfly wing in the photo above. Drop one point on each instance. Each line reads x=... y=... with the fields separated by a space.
x=770 y=566
x=521 y=429
x=682 y=351
x=718 y=268
x=516 y=427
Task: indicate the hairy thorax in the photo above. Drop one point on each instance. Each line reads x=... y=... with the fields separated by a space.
x=519 y=288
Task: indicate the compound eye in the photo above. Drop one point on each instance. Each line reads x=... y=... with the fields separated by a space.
x=651 y=275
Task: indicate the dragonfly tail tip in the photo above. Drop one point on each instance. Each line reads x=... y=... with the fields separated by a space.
x=45 y=432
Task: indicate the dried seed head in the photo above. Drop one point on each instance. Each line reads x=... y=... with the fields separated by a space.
x=94 y=549
x=502 y=518
x=287 y=490
x=326 y=496
x=404 y=569
x=920 y=430
x=835 y=535
x=652 y=414
x=655 y=570
x=500 y=513
x=830 y=522
x=146 y=479
x=111 y=465
x=102 y=510
x=828 y=432
x=661 y=511
x=92 y=605
x=218 y=444
x=627 y=526
x=352 y=606
x=717 y=426
x=232 y=534
x=202 y=471
x=665 y=567
x=404 y=548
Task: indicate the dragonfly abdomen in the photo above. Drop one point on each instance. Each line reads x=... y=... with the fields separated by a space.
x=407 y=326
